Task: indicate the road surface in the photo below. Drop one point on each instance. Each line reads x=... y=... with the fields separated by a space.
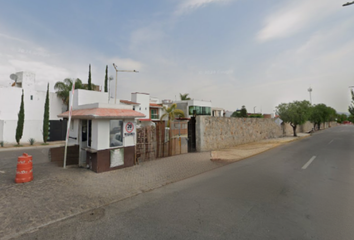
x=301 y=190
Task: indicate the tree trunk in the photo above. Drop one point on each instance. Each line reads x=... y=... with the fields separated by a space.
x=294 y=129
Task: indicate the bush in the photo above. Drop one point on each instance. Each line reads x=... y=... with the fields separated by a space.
x=2 y=143
x=31 y=141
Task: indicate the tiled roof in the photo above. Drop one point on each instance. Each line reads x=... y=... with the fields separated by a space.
x=129 y=102
x=144 y=119
x=111 y=113
x=155 y=105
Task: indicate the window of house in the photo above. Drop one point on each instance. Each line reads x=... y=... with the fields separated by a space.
x=154 y=113
x=140 y=108
x=134 y=108
x=31 y=97
x=199 y=110
x=116 y=133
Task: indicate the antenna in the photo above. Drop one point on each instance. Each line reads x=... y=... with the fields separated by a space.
x=14 y=77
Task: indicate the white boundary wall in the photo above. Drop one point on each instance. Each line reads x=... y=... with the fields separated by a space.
x=10 y=99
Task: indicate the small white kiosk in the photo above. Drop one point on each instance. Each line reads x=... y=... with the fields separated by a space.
x=105 y=133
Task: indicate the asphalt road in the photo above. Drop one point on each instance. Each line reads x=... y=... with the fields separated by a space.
x=8 y=158
x=301 y=190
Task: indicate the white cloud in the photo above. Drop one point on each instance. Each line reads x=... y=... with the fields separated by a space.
x=294 y=17
x=12 y=38
x=322 y=62
x=191 y=5
x=126 y=63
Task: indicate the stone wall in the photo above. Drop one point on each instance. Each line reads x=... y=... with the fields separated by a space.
x=306 y=127
x=214 y=133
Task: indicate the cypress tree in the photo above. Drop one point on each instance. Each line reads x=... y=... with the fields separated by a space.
x=106 y=80
x=46 y=117
x=20 y=121
x=89 y=87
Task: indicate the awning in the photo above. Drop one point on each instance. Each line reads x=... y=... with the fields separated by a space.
x=105 y=113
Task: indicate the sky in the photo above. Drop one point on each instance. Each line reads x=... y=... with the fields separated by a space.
x=230 y=52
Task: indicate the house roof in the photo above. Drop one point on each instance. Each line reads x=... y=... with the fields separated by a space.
x=129 y=102
x=154 y=105
x=145 y=119
x=108 y=113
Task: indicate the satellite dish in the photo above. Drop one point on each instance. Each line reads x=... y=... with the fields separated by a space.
x=14 y=77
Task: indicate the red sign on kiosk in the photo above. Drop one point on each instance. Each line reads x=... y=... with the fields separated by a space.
x=129 y=127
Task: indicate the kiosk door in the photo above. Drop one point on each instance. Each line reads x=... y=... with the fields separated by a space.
x=83 y=142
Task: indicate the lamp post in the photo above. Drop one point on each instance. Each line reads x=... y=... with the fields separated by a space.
x=115 y=67
x=310 y=90
x=348 y=3
x=254 y=109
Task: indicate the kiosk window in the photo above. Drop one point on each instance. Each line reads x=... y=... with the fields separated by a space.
x=116 y=133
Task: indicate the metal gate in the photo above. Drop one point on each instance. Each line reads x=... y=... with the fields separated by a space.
x=192 y=141
x=57 y=130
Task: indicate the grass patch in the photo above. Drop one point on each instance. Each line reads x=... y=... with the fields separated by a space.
x=45 y=144
x=18 y=145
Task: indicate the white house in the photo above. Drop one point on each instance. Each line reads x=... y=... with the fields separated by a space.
x=151 y=107
x=197 y=107
x=10 y=101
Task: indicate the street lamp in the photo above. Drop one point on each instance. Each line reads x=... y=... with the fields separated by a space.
x=115 y=67
x=310 y=90
x=254 y=109
x=348 y=3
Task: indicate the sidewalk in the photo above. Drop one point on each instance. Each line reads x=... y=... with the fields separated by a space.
x=57 y=193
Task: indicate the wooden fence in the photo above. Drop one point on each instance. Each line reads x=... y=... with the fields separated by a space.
x=158 y=141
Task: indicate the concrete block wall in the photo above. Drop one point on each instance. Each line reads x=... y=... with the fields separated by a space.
x=214 y=133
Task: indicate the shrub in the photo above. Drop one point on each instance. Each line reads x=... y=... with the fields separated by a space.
x=31 y=141
x=2 y=143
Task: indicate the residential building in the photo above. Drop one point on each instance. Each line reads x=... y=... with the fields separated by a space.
x=218 y=112
x=10 y=99
x=194 y=107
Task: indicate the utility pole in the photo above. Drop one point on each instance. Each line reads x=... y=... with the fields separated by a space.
x=115 y=67
x=310 y=90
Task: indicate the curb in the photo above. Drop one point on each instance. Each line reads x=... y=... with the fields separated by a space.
x=30 y=147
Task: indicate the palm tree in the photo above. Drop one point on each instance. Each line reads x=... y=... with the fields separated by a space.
x=171 y=112
x=63 y=89
x=184 y=96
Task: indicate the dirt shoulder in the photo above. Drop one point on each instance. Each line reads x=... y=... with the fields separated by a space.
x=247 y=150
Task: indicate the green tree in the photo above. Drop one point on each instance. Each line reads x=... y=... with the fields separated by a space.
x=240 y=113
x=184 y=96
x=295 y=113
x=46 y=117
x=106 y=80
x=20 y=121
x=89 y=86
x=237 y=113
x=243 y=112
x=171 y=112
x=342 y=117
x=63 y=89
x=351 y=106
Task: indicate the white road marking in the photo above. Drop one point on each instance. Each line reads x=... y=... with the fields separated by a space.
x=309 y=162
x=2 y=171
x=330 y=141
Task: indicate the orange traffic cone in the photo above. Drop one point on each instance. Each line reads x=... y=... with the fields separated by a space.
x=24 y=169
